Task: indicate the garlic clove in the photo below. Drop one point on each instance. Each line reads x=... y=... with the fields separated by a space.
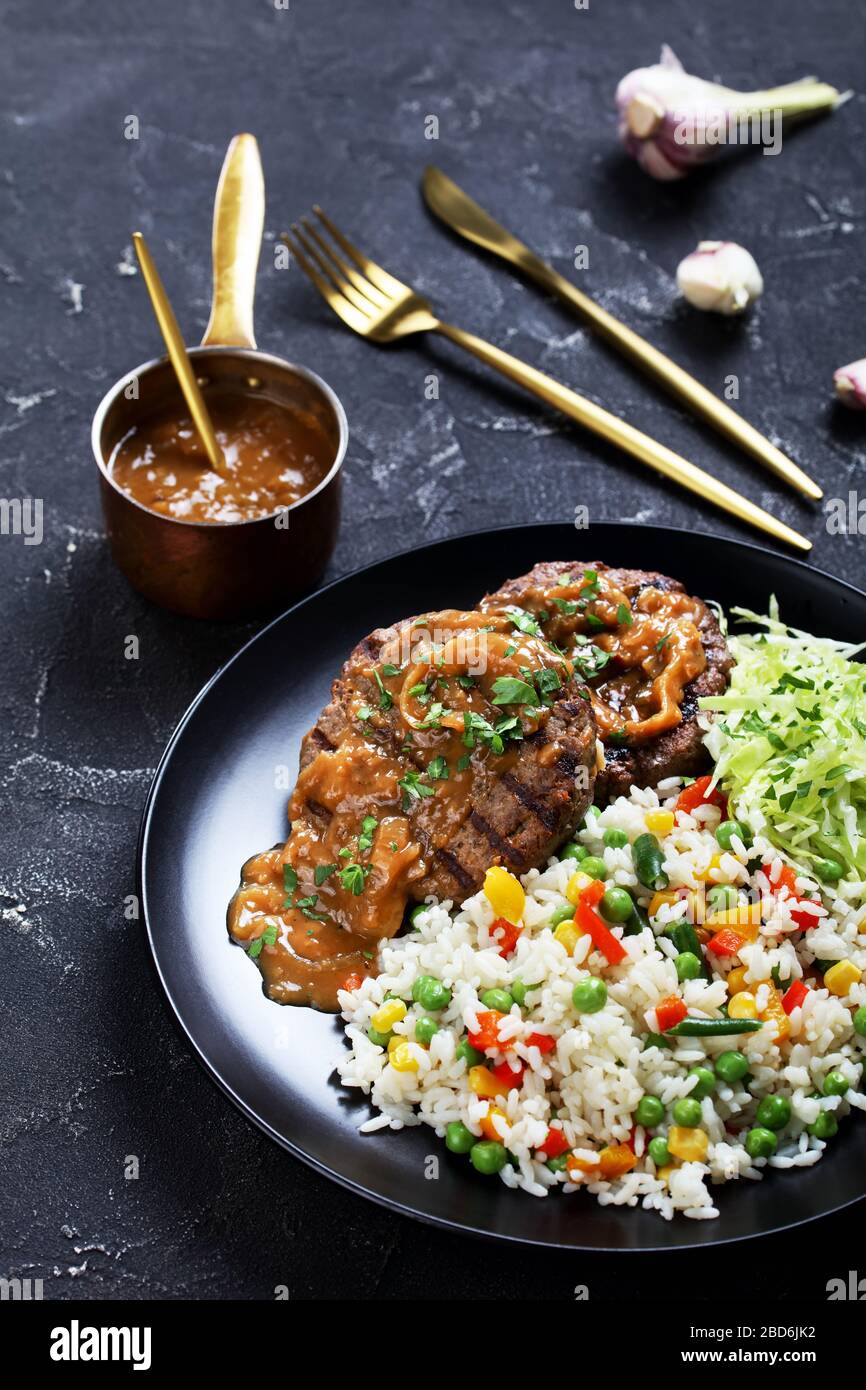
x=850 y=383
x=671 y=121
x=720 y=277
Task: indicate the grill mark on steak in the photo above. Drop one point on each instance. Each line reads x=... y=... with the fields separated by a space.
x=545 y=814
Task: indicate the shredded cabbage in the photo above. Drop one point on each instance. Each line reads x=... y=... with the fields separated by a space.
x=789 y=742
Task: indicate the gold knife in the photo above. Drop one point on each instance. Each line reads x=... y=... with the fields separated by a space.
x=463 y=215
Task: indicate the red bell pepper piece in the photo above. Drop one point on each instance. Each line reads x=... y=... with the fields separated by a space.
x=508 y=1075
x=506 y=935
x=603 y=940
x=593 y=892
x=353 y=981
x=670 y=1012
x=488 y=1030
x=725 y=942
x=794 y=995
x=555 y=1144
x=788 y=880
x=545 y=1042
x=697 y=794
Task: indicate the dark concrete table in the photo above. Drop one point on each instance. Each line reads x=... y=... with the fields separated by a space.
x=338 y=94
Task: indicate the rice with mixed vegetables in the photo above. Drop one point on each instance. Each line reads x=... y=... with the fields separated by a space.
x=670 y=1004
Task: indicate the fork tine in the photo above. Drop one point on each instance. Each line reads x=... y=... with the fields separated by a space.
x=326 y=266
x=338 y=302
x=381 y=279
x=363 y=285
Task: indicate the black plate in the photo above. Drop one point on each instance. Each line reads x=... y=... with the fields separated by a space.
x=220 y=794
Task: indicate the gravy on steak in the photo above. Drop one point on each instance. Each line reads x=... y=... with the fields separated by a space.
x=452 y=742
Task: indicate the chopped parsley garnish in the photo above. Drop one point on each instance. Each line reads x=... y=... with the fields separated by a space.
x=413 y=789
x=593 y=623
x=547 y=681
x=623 y=615
x=524 y=621
x=463 y=761
x=508 y=690
x=267 y=938
x=386 y=700
x=566 y=606
x=364 y=713
x=306 y=906
x=437 y=768
x=662 y=642
x=353 y=878
x=434 y=716
x=290 y=878
x=466 y=682
x=390 y=669
x=322 y=872
x=510 y=649
x=590 y=660
x=368 y=830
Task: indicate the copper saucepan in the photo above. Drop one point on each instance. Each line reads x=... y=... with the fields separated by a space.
x=234 y=569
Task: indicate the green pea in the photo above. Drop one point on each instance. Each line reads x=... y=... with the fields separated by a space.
x=498 y=999
x=469 y=1054
x=574 y=851
x=829 y=870
x=825 y=1126
x=860 y=1021
x=588 y=996
x=458 y=1138
x=728 y=829
x=594 y=867
x=650 y=1112
x=687 y=965
x=430 y=993
x=760 y=1143
x=562 y=914
x=687 y=1112
x=774 y=1112
x=721 y=897
x=731 y=1066
x=615 y=839
x=487 y=1156
x=558 y=1164
x=425 y=1028
x=835 y=1083
x=705 y=1082
x=380 y=1039
x=416 y=912
x=518 y=992
x=617 y=905
x=658 y=1151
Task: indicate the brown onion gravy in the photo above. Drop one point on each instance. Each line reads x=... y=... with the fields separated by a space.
x=351 y=858
x=274 y=454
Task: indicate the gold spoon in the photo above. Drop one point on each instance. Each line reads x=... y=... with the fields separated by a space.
x=179 y=357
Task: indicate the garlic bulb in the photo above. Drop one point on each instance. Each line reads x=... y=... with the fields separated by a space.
x=850 y=383
x=671 y=121
x=720 y=276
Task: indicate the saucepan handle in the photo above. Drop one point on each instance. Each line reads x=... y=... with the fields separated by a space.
x=238 y=222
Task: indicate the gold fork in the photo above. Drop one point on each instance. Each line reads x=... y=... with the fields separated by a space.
x=378 y=306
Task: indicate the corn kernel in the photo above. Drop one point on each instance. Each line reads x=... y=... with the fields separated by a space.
x=736 y=980
x=615 y=1160
x=841 y=976
x=504 y=893
x=705 y=875
x=690 y=1145
x=483 y=1083
x=566 y=934
x=576 y=884
x=742 y=1006
x=388 y=1014
x=488 y=1128
x=403 y=1058
x=665 y=1172
x=746 y=917
x=659 y=822
x=660 y=899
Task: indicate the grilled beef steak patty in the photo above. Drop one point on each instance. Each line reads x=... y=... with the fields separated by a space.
x=502 y=800
x=661 y=650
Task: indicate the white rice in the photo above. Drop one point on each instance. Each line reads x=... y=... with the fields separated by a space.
x=600 y=1068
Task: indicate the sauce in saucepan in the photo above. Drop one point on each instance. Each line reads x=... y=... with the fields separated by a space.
x=274 y=454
